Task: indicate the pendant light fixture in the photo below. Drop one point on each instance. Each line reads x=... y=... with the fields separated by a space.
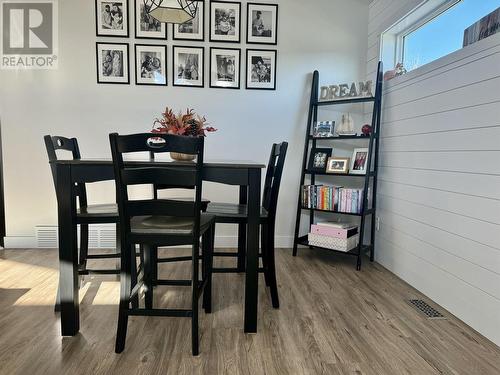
x=172 y=11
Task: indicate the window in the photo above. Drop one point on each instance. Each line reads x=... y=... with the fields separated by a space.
x=434 y=29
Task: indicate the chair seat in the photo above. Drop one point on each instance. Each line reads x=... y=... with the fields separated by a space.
x=232 y=211
x=98 y=212
x=204 y=202
x=168 y=225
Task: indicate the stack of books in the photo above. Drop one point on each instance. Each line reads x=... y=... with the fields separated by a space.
x=334 y=236
x=332 y=198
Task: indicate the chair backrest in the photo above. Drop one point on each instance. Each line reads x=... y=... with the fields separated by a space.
x=185 y=176
x=54 y=143
x=273 y=178
x=164 y=187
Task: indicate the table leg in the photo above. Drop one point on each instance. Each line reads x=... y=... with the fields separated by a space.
x=242 y=232
x=68 y=253
x=252 y=272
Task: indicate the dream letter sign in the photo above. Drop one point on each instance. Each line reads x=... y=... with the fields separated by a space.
x=345 y=91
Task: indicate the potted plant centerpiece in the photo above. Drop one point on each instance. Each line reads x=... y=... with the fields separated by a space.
x=187 y=124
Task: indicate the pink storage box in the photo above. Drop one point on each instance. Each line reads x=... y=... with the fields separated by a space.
x=330 y=231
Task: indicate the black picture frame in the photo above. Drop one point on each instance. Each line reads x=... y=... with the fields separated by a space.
x=203 y=28
x=317 y=150
x=202 y=69
x=136 y=66
x=99 y=81
x=126 y=24
x=249 y=20
x=165 y=37
x=211 y=39
x=213 y=49
x=248 y=69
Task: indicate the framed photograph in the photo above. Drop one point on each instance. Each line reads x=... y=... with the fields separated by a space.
x=146 y=27
x=261 y=69
x=262 y=23
x=359 y=161
x=188 y=66
x=338 y=165
x=111 y=18
x=150 y=65
x=225 y=68
x=324 y=129
x=112 y=63
x=225 y=21
x=193 y=29
x=319 y=158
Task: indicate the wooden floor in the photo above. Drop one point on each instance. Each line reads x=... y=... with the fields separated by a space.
x=333 y=320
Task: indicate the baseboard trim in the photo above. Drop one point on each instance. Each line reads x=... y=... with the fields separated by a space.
x=30 y=242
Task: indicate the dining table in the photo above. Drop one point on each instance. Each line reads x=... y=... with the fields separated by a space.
x=245 y=174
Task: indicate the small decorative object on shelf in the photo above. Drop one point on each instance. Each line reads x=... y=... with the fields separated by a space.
x=366 y=129
x=359 y=161
x=346 y=126
x=324 y=129
x=345 y=91
x=319 y=158
x=337 y=165
x=187 y=124
x=398 y=70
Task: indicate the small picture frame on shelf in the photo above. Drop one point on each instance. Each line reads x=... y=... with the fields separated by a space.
x=193 y=29
x=324 y=129
x=111 y=18
x=188 y=66
x=338 y=165
x=359 y=161
x=319 y=158
x=262 y=23
x=112 y=63
x=225 y=21
x=146 y=27
x=150 y=65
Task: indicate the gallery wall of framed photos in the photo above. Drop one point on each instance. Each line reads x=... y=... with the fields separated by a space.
x=182 y=55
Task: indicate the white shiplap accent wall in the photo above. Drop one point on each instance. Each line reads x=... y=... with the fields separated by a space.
x=439 y=192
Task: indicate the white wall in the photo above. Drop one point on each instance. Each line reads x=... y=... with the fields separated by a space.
x=329 y=35
x=439 y=192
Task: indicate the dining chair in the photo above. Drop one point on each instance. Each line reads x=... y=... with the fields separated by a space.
x=151 y=223
x=86 y=214
x=227 y=213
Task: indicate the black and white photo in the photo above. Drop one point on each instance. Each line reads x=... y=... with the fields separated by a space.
x=147 y=27
x=338 y=165
x=112 y=63
x=318 y=159
x=188 y=66
x=111 y=18
x=225 y=68
x=225 y=21
x=262 y=23
x=193 y=29
x=261 y=69
x=150 y=65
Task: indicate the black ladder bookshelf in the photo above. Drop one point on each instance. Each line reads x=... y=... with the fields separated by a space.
x=371 y=174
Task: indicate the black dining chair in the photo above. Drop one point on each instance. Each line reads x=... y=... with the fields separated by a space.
x=227 y=213
x=86 y=214
x=151 y=223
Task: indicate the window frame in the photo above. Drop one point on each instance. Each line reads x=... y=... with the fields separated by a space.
x=419 y=23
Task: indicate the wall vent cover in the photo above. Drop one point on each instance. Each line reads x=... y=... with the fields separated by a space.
x=102 y=236
x=426 y=309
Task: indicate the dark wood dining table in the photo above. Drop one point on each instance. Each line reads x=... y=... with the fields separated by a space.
x=247 y=175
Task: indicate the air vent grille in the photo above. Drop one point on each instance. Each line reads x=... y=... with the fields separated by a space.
x=100 y=236
x=426 y=309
